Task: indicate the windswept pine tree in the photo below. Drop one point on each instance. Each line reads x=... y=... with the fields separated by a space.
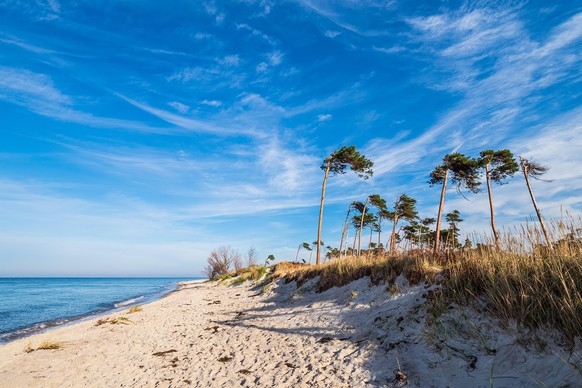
x=498 y=165
x=361 y=221
x=376 y=201
x=337 y=163
x=362 y=218
x=462 y=171
x=535 y=170
x=454 y=218
x=426 y=232
x=380 y=204
x=404 y=208
x=346 y=226
x=304 y=246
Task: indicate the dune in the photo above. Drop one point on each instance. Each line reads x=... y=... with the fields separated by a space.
x=358 y=335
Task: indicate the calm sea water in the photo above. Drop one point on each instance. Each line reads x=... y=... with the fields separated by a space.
x=30 y=305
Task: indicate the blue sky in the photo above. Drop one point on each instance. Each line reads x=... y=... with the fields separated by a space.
x=137 y=136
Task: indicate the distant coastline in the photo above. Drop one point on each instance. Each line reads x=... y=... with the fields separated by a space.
x=18 y=323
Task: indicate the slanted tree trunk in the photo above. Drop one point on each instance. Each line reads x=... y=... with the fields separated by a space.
x=441 y=206
x=317 y=257
x=495 y=234
x=355 y=240
x=362 y=224
x=535 y=205
x=344 y=232
x=347 y=237
x=297 y=255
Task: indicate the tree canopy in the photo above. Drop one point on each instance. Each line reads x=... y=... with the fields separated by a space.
x=502 y=164
x=464 y=172
x=346 y=156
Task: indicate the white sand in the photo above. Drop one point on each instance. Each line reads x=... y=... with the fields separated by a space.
x=354 y=336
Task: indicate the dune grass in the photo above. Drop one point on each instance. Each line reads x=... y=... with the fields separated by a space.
x=113 y=321
x=254 y=272
x=135 y=309
x=45 y=345
x=535 y=285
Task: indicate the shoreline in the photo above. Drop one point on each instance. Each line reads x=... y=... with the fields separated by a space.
x=210 y=334
x=53 y=324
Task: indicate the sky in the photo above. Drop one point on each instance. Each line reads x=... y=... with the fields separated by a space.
x=137 y=136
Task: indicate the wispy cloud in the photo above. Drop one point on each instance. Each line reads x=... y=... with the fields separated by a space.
x=229 y=60
x=190 y=123
x=494 y=96
x=37 y=93
x=275 y=58
x=324 y=117
x=26 y=46
x=182 y=108
x=214 y=103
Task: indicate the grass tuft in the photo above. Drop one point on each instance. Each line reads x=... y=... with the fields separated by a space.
x=135 y=309
x=254 y=273
x=113 y=321
x=49 y=345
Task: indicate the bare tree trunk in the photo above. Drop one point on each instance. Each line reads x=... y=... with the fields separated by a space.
x=347 y=237
x=297 y=255
x=495 y=234
x=441 y=205
x=393 y=237
x=310 y=254
x=362 y=223
x=535 y=205
x=344 y=231
x=370 y=243
x=355 y=240
x=379 y=230
x=317 y=257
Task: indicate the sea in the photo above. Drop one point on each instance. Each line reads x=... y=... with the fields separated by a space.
x=32 y=305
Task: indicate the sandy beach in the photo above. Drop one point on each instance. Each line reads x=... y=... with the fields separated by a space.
x=211 y=335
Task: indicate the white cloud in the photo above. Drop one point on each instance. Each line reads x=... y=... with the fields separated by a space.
x=275 y=58
x=27 y=88
x=179 y=107
x=390 y=50
x=257 y=33
x=213 y=103
x=324 y=117
x=190 y=124
x=495 y=98
x=332 y=34
x=220 y=18
x=202 y=36
x=37 y=93
x=26 y=46
x=262 y=67
x=229 y=61
x=291 y=171
x=195 y=74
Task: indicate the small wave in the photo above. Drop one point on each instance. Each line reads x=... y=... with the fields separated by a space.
x=128 y=302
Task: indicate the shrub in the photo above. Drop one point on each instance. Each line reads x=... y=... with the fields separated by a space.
x=220 y=260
